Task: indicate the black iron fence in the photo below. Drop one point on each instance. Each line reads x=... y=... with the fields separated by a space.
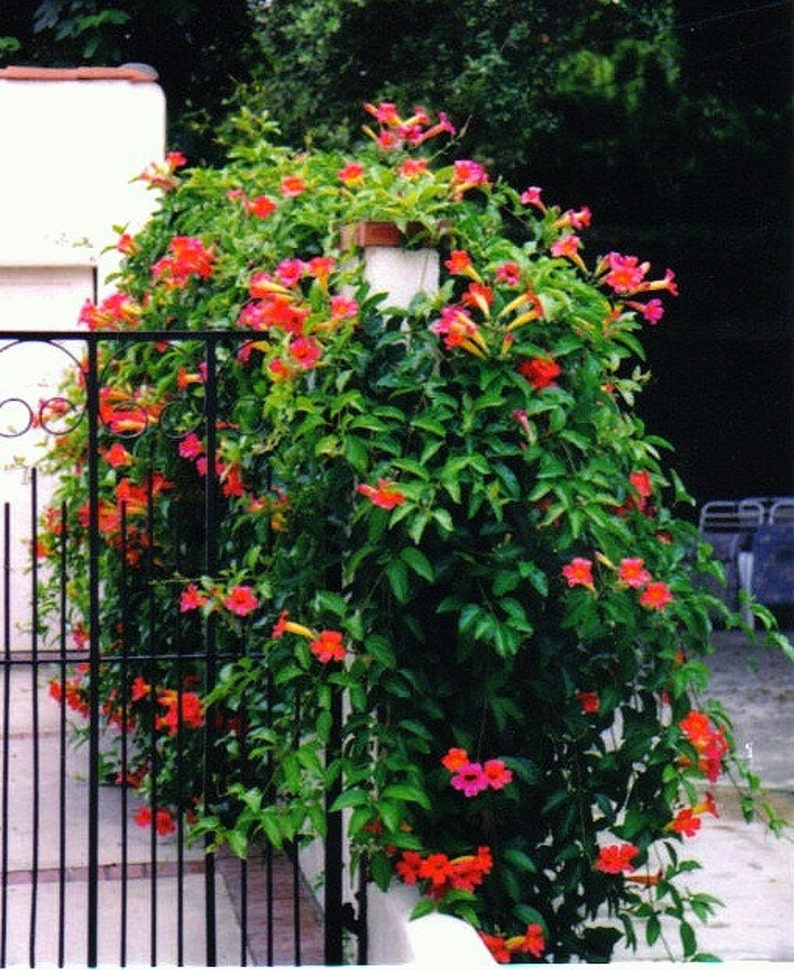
x=92 y=869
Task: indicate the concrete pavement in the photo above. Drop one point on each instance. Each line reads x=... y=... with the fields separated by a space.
x=744 y=865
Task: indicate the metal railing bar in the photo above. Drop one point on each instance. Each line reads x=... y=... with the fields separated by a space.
x=210 y=671
x=6 y=729
x=62 y=737
x=92 y=405
x=35 y=760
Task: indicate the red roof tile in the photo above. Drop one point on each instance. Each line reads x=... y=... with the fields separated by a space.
x=127 y=72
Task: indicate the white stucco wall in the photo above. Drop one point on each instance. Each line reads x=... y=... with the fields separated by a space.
x=69 y=150
x=71 y=142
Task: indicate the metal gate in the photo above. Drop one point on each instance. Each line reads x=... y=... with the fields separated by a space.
x=91 y=870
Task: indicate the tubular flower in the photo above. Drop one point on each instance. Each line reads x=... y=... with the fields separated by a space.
x=385 y=494
x=532 y=942
x=187 y=257
x=191 y=599
x=589 y=701
x=579 y=572
x=160 y=175
x=328 y=646
x=459 y=330
x=710 y=744
x=568 y=248
x=624 y=274
x=656 y=596
x=444 y=874
x=455 y=758
x=467 y=175
x=305 y=352
x=182 y=708
x=480 y=296
x=261 y=206
x=290 y=271
x=285 y=625
x=116 y=312
x=576 y=219
x=497 y=947
x=652 y=310
x=509 y=273
x=540 y=372
x=241 y=600
x=470 y=779
x=685 y=823
x=459 y=262
x=163 y=820
x=413 y=168
x=292 y=186
x=343 y=307
x=632 y=572
x=616 y=858
x=531 y=196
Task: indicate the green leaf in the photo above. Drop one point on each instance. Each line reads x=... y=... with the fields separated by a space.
x=688 y=939
x=423 y=908
x=397 y=574
x=418 y=562
x=407 y=793
x=380 y=867
x=520 y=860
x=352 y=798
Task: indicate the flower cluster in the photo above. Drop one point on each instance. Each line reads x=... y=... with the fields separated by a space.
x=630 y=573
x=503 y=948
x=471 y=777
x=440 y=875
x=709 y=742
x=456 y=499
x=327 y=645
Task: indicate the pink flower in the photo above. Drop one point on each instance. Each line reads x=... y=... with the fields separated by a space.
x=190 y=446
x=343 y=307
x=632 y=572
x=241 y=600
x=579 y=572
x=626 y=273
x=467 y=175
x=652 y=311
x=290 y=271
x=292 y=186
x=305 y=351
x=470 y=779
x=458 y=329
x=531 y=196
x=191 y=599
x=567 y=246
x=509 y=274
